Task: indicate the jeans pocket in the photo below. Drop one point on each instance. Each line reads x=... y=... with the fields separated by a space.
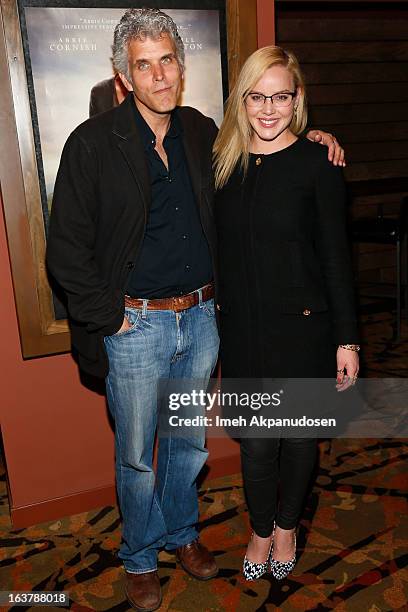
x=209 y=308
x=133 y=315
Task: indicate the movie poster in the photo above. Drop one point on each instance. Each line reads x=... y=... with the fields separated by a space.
x=70 y=51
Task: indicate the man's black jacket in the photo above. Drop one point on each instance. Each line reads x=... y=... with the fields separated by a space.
x=99 y=212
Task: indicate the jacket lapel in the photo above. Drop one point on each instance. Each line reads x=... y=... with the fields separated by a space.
x=130 y=144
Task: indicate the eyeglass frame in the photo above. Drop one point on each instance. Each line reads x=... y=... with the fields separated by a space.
x=265 y=98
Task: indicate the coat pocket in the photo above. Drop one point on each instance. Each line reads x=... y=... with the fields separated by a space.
x=305 y=306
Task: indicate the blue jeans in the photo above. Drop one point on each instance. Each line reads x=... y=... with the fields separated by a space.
x=159 y=511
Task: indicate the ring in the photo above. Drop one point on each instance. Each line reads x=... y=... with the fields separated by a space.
x=340 y=371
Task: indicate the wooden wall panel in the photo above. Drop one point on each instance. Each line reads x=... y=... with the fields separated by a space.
x=359 y=93
x=349 y=72
x=355 y=62
x=392 y=130
x=359 y=152
x=326 y=116
x=351 y=51
x=356 y=70
x=353 y=27
x=242 y=35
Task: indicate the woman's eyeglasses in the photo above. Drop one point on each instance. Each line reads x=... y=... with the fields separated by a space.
x=257 y=100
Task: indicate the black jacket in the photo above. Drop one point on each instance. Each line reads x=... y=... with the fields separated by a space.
x=285 y=282
x=100 y=207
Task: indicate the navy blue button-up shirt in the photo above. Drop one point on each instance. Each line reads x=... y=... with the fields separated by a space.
x=174 y=258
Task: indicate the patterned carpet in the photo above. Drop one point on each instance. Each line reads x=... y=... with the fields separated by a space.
x=352 y=542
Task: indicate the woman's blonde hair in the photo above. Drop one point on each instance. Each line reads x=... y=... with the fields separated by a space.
x=233 y=140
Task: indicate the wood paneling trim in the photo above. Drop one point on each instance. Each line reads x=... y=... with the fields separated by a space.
x=376 y=170
x=63 y=506
x=380 y=132
x=389 y=189
x=242 y=35
x=379 y=72
x=376 y=260
x=359 y=93
x=345 y=52
x=341 y=29
x=377 y=151
x=357 y=113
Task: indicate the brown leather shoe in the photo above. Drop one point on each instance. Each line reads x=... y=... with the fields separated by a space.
x=143 y=591
x=197 y=560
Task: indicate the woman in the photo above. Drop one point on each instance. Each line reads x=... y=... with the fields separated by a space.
x=285 y=292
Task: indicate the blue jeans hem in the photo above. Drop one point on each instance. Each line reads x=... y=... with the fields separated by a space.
x=140 y=571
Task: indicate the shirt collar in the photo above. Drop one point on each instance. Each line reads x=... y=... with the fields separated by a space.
x=147 y=134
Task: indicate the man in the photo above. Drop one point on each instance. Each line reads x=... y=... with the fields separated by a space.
x=132 y=243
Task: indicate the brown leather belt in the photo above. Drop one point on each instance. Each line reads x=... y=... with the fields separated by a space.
x=181 y=302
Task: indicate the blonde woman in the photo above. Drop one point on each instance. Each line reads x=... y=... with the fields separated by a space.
x=285 y=292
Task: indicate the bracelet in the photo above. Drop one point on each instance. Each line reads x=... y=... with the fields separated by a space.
x=350 y=347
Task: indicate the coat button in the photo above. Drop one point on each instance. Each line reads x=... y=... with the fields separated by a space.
x=306 y=312
x=130 y=265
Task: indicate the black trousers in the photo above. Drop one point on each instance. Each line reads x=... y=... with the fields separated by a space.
x=269 y=465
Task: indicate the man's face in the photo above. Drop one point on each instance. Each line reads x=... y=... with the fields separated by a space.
x=155 y=75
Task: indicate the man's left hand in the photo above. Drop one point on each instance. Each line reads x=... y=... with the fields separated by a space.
x=336 y=152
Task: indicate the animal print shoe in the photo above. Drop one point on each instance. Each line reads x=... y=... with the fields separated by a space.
x=254 y=571
x=282 y=569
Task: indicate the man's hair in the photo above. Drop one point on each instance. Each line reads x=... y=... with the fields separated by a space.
x=139 y=24
x=233 y=141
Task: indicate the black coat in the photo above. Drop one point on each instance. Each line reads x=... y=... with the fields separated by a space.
x=99 y=212
x=285 y=280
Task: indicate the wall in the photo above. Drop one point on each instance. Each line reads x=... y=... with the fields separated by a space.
x=355 y=60
x=56 y=434
x=266 y=22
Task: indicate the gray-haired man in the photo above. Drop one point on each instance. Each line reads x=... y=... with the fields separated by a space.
x=131 y=217
x=132 y=243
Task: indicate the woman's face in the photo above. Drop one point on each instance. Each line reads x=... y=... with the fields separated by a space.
x=269 y=122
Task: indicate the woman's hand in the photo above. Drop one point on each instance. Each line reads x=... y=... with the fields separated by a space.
x=336 y=152
x=346 y=360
